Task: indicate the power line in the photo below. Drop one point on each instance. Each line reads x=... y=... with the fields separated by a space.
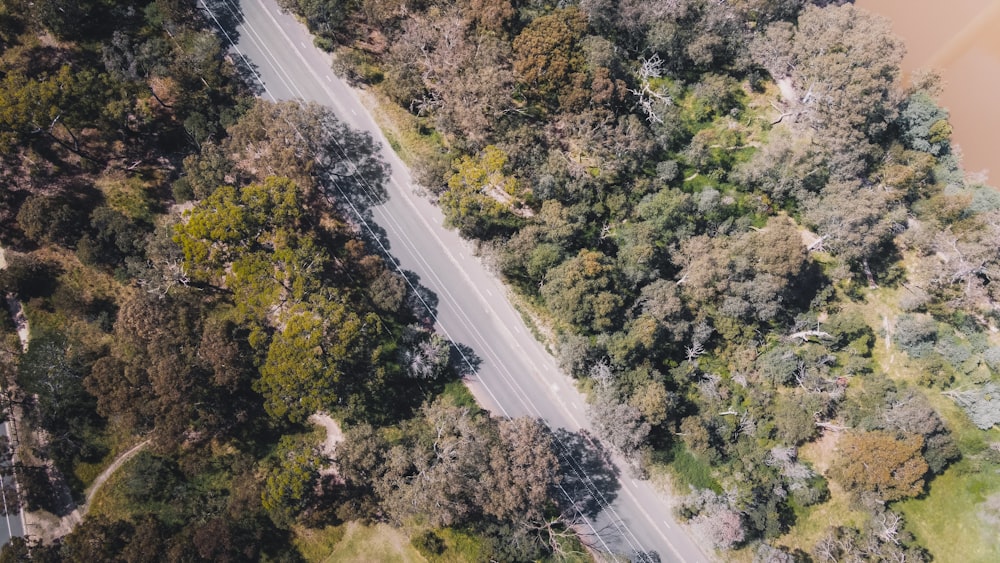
x=370 y=192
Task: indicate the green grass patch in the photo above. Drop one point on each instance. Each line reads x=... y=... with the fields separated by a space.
x=354 y=542
x=461 y=546
x=460 y=394
x=317 y=545
x=947 y=521
x=691 y=471
x=86 y=472
x=110 y=499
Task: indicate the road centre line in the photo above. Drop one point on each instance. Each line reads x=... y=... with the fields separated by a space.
x=474 y=331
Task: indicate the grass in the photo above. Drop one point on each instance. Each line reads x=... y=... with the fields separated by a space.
x=460 y=394
x=110 y=500
x=691 y=471
x=405 y=132
x=460 y=547
x=812 y=522
x=354 y=542
x=947 y=521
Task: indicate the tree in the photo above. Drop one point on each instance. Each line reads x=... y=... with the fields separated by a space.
x=28 y=276
x=925 y=124
x=844 y=63
x=714 y=518
x=317 y=359
x=523 y=472
x=480 y=195
x=437 y=475
x=881 y=463
x=30 y=106
x=309 y=145
x=461 y=77
x=51 y=219
x=787 y=168
x=755 y=275
x=290 y=485
x=581 y=292
x=620 y=424
x=545 y=52
x=855 y=221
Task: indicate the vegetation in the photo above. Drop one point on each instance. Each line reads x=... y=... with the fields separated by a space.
x=189 y=280
x=753 y=244
x=736 y=269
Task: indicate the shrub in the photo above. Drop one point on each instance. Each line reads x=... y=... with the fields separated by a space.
x=915 y=334
x=428 y=544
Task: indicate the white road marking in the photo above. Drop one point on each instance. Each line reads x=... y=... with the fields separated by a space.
x=490 y=293
x=302 y=44
x=523 y=398
x=328 y=79
x=666 y=524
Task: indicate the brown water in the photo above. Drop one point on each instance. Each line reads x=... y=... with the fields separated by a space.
x=961 y=40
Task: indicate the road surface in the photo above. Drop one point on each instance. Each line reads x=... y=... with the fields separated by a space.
x=12 y=522
x=516 y=377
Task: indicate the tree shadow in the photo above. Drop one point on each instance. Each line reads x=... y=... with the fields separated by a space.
x=247 y=73
x=353 y=163
x=224 y=15
x=590 y=479
x=464 y=360
x=421 y=300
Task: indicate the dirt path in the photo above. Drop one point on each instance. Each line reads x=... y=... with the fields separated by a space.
x=333 y=433
x=103 y=477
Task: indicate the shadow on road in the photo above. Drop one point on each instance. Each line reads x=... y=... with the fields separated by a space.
x=226 y=14
x=421 y=300
x=465 y=360
x=590 y=479
x=248 y=73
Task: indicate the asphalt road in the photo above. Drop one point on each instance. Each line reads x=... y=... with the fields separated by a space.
x=12 y=521
x=516 y=376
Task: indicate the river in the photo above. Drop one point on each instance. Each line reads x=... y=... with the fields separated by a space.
x=961 y=40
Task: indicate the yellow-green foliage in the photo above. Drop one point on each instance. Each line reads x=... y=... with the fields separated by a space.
x=129 y=196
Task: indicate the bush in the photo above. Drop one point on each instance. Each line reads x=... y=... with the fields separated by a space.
x=151 y=478
x=428 y=544
x=992 y=358
x=916 y=334
x=28 y=277
x=46 y=219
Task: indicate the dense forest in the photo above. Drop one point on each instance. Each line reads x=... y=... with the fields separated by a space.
x=197 y=304
x=747 y=238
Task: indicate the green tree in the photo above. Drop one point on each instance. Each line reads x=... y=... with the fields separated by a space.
x=581 y=291
x=321 y=355
x=480 y=195
x=291 y=481
x=51 y=219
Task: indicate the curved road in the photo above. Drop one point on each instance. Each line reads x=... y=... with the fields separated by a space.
x=517 y=377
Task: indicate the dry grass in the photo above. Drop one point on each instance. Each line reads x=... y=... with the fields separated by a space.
x=814 y=521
